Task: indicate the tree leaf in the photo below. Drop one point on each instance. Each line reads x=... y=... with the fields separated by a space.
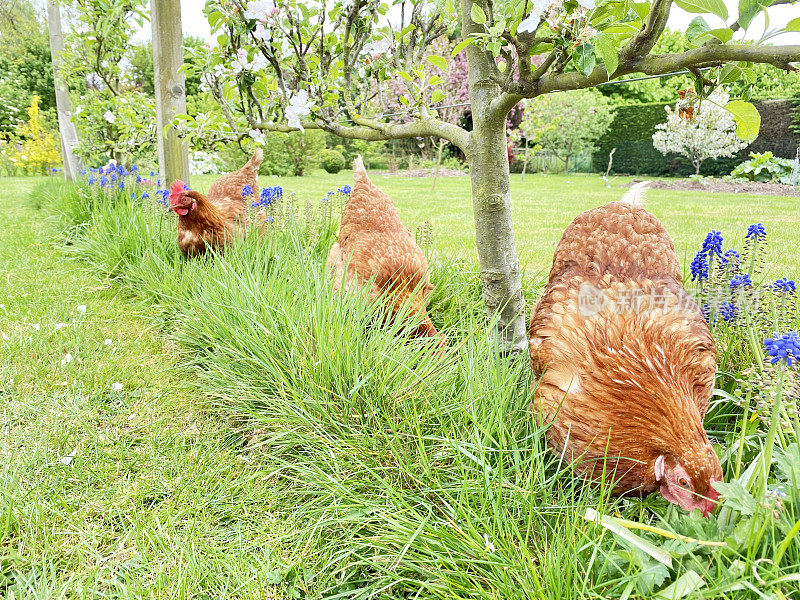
x=584 y=58
x=716 y=7
x=696 y=28
x=736 y=497
x=477 y=15
x=437 y=96
x=729 y=74
x=438 y=61
x=461 y=45
x=608 y=52
x=748 y=9
x=748 y=121
x=793 y=25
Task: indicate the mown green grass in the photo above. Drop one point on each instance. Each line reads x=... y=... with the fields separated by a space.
x=545 y=204
x=390 y=471
x=157 y=501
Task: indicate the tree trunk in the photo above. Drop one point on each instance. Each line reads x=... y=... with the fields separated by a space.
x=438 y=162
x=170 y=86
x=566 y=164
x=697 y=168
x=69 y=137
x=491 y=199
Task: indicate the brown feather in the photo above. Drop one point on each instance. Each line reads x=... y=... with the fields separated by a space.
x=628 y=377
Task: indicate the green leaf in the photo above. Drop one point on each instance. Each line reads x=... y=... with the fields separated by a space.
x=793 y=25
x=438 y=61
x=406 y=76
x=437 y=96
x=584 y=58
x=748 y=9
x=636 y=541
x=608 y=52
x=748 y=121
x=477 y=15
x=736 y=497
x=789 y=464
x=683 y=586
x=461 y=45
x=724 y=34
x=716 y=7
x=729 y=74
x=641 y=9
x=696 y=28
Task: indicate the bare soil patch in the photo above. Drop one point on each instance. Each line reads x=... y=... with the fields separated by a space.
x=725 y=187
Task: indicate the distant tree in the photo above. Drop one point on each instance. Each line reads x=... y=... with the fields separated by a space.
x=141 y=60
x=566 y=124
x=709 y=131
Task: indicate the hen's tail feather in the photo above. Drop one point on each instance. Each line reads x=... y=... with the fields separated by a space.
x=637 y=194
x=255 y=161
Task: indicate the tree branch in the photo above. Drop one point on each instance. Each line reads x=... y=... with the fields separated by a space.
x=643 y=42
x=374 y=131
x=659 y=64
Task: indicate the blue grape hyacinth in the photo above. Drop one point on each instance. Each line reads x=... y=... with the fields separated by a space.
x=785 y=347
x=728 y=311
x=784 y=285
x=756 y=231
x=699 y=267
x=712 y=245
x=345 y=190
x=247 y=191
x=741 y=281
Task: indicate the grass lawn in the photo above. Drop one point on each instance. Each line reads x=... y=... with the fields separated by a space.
x=545 y=204
x=270 y=441
x=137 y=493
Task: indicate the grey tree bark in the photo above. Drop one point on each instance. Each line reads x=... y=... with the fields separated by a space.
x=69 y=137
x=491 y=199
x=170 y=86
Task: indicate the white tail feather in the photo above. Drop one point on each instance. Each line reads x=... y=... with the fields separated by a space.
x=637 y=194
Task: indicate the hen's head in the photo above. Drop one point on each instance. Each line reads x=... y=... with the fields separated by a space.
x=689 y=483
x=179 y=200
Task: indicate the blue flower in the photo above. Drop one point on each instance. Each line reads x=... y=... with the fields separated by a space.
x=785 y=347
x=345 y=189
x=92 y=180
x=103 y=181
x=741 y=281
x=138 y=178
x=706 y=310
x=82 y=172
x=247 y=191
x=731 y=257
x=699 y=267
x=113 y=178
x=134 y=168
x=728 y=311
x=268 y=195
x=133 y=195
x=145 y=196
x=152 y=173
x=783 y=285
x=756 y=231
x=712 y=244
x=122 y=184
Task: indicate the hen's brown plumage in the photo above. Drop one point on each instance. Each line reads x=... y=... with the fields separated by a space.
x=214 y=219
x=625 y=357
x=375 y=250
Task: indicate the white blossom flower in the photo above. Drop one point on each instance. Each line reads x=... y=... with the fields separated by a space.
x=109 y=116
x=36 y=327
x=116 y=387
x=299 y=106
x=81 y=308
x=529 y=23
x=259 y=9
x=261 y=33
x=259 y=63
x=239 y=63
x=67 y=359
x=107 y=341
x=376 y=48
x=258 y=136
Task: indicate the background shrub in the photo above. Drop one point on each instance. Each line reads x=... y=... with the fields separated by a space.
x=332 y=161
x=631 y=134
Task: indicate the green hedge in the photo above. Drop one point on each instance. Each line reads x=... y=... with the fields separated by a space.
x=631 y=134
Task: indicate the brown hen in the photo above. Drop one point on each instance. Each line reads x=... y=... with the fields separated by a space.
x=625 y=359
x=375 y=250
x=216 y=218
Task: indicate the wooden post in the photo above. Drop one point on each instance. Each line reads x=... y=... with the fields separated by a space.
x=69 y=137
x=170 y=85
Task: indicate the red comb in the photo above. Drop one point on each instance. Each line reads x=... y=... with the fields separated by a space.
x=175 y=190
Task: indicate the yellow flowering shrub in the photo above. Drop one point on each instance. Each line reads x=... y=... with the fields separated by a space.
x=37 y=149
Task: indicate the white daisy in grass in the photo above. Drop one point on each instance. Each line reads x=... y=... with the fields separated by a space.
x=116 y=387
x=81 y=308
x=67 y=359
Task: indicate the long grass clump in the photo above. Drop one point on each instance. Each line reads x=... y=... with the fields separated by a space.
x=412 y=474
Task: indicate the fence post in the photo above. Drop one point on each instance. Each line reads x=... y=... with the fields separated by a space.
x=170 y=86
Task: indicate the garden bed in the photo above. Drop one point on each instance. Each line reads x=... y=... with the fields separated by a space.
x=725 y=187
